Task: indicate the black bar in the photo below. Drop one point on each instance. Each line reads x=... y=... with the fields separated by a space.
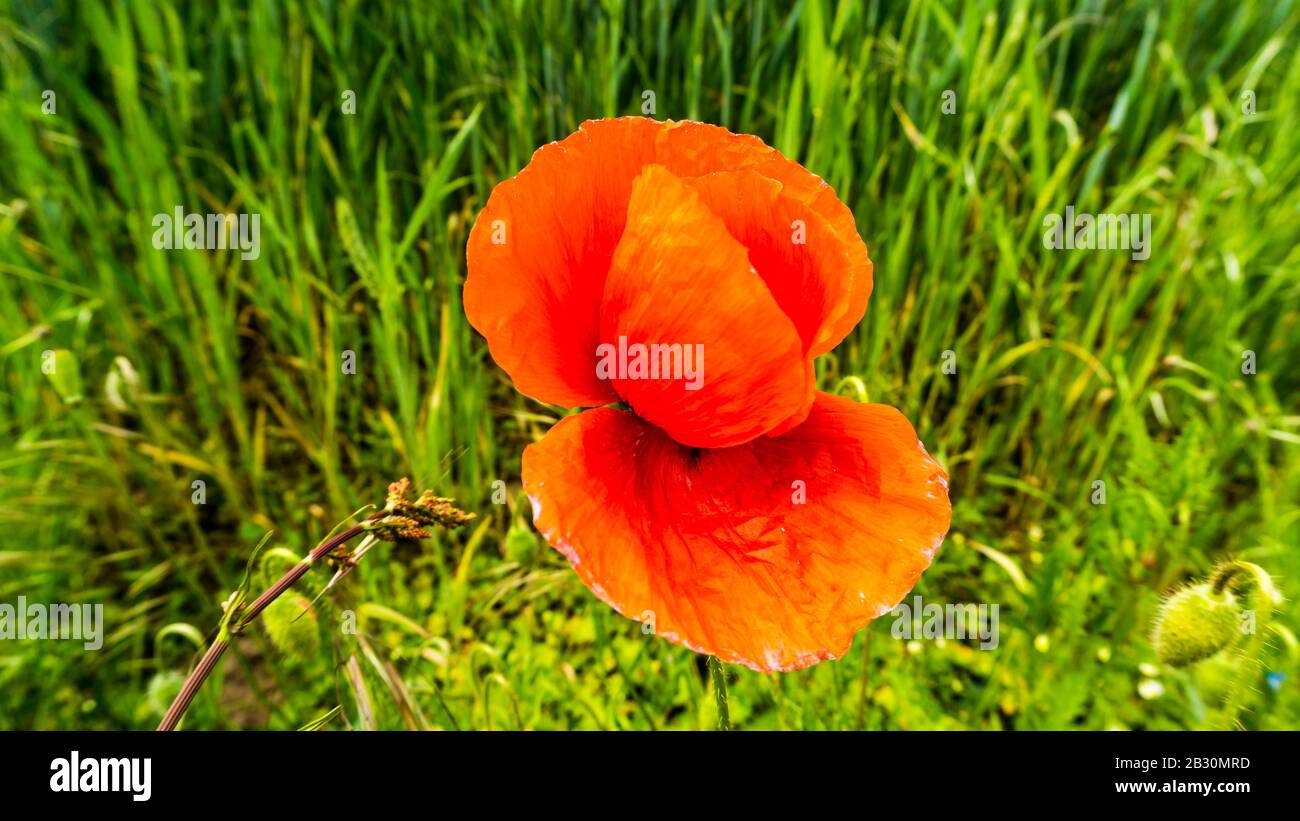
x=328 y=770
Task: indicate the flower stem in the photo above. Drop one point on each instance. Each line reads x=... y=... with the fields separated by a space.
x=719 y=679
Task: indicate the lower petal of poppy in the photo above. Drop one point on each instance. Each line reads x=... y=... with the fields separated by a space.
x=771 y=554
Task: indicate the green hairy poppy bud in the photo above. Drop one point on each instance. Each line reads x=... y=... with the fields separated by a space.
x=291 y=624
x=1194 y=624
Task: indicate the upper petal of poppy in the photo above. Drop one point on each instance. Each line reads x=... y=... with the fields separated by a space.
x=690 y=149
x=680 y=280
x=539 y=252
x=796 y=252
x=770 y=554
x=796 y=419
x=791 y=246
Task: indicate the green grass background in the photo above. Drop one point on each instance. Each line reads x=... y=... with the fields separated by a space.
x=1072 y=366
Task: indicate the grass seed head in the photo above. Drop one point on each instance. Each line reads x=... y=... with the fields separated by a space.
x=409 y=519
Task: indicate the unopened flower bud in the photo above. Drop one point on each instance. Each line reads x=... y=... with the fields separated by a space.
x=1194 y=624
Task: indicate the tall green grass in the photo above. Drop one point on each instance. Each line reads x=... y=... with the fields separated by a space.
x=1072 y=367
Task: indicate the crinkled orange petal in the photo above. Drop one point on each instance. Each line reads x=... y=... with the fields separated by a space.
x=539 y=252
x=691 y=149
x=795 y=419
x=793 y=248
x=770 y=554
x=728 y=364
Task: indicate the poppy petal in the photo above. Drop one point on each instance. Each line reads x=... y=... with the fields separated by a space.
x=691 y=149
x=772 y=554
x=792 y=247
x=733 y=368
x=539 y=252
x=796 y=252
x=796 y=419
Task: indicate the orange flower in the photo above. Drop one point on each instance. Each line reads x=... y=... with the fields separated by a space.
x=746 y=515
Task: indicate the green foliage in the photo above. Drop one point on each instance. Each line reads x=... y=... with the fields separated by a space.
x=1072 y=367
x=521 y=544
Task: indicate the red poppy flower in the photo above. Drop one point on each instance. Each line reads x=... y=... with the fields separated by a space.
x=744 y=514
